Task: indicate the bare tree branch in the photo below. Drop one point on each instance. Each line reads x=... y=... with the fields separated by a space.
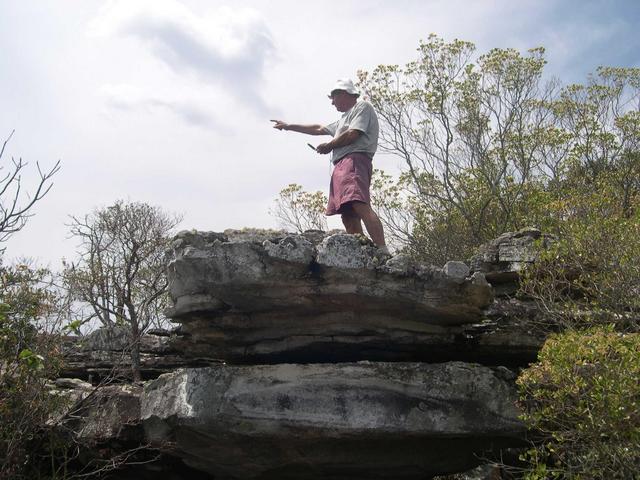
x=14 y=210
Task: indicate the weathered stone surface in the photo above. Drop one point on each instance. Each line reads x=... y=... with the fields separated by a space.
x=264 y=300
x=364 y=420
x=292 y=248
x=347 y=251
x=102 y=414
x=104 y=421
x=72 y=383
x=247 y=277
x=456 y=270
x=502 y=259
x=503 y=336
x=105 y=353
x=483 y=472
x=244 y=301
x=253 y=235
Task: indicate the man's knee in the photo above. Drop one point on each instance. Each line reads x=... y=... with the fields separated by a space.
x=350 y=219
x=362 y=210
x=347 y=212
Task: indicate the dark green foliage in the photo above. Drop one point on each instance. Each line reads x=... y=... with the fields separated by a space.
x=590 y=275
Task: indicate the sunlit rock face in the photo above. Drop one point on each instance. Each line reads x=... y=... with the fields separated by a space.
x=349 y=420
x=300 y=298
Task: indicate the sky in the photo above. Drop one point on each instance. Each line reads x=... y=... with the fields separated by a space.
x=168 y=102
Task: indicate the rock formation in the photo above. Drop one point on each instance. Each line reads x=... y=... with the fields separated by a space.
x=105 y=352
x=360 y=420
x=288 y=299
x=312 y=356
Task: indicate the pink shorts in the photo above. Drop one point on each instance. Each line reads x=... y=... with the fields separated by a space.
x=350 y=182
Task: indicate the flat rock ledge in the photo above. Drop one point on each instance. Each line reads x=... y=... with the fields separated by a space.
x=348 y=421
x=104 y=353
x=264 y=298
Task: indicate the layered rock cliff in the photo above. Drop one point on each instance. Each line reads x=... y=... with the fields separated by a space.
x=313 y=356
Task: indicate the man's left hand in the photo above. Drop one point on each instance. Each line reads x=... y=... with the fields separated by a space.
x=324 y=148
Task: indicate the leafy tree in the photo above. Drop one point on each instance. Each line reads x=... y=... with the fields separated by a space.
x=590 y=275
x=471 y=135
x=489 y=146
x=120 y=274
x=395 y=202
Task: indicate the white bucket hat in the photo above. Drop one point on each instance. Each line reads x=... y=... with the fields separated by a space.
x=346 y=85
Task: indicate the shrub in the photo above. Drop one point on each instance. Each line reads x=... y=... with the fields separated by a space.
x=591 y=275
x=299 y=210
x=582 y=400
x=29 y=357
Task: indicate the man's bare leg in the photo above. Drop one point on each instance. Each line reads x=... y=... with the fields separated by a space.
x=371 y=222
x=351 y=221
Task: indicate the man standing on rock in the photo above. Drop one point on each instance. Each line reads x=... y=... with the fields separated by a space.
x=355 y=140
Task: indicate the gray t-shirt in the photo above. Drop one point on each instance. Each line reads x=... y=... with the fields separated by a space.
x=360 y=117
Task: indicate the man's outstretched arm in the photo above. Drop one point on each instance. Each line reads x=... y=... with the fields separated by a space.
x=308 y=129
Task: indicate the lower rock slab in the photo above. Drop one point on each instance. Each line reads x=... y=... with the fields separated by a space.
x=332 y=421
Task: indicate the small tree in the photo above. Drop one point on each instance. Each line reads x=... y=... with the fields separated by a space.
x=29 y=326
x=299 y=210
x=14 y=209
x=120 y=274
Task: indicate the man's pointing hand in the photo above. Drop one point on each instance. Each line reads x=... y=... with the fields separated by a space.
x=280 y=125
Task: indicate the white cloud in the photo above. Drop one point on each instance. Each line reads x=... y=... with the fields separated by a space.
x=229 y=47
x=130 y=98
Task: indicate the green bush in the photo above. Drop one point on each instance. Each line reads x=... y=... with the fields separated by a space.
x=582 y=400
x=29 y=357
